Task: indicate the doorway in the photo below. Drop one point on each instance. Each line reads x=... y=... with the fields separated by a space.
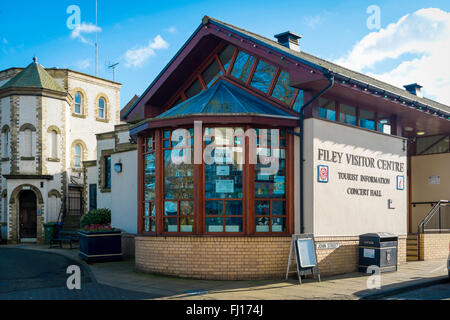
x=27 y=215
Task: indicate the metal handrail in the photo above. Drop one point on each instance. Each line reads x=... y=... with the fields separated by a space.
x=436 y=208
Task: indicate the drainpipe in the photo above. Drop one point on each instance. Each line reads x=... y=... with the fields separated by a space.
x=300 y=135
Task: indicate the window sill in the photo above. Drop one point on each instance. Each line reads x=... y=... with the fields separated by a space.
x=77 y=169
x=76 y=115
x=102 y=120
x=27 y=158
x=53 y=160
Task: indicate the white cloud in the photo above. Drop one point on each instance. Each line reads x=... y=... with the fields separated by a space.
x=138 y=56
x=83 y=64
x=172 y=30
x=86 y=28
x=425 y=34
x=312 y=21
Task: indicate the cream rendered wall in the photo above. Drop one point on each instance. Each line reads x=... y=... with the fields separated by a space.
x=85 y=129
x=423 y=167
x=124 y=192
x=331 y=210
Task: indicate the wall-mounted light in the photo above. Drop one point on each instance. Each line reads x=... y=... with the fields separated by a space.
x=118 y=167
x=421 y=133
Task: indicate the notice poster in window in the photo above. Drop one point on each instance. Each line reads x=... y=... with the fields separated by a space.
x=223 y=171
x=224 y=186
x=278 y=185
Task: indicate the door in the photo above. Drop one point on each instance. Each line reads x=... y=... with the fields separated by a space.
x=27 y=215
x=75 y=202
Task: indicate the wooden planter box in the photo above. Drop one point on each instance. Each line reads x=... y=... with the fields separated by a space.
x=100 y=246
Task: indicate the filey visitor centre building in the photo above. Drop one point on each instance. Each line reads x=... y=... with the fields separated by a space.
x=245 y=141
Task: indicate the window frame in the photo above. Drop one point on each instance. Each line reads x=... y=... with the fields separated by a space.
x=248 y=199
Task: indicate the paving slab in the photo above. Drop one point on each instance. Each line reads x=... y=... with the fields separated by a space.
x=352 y=286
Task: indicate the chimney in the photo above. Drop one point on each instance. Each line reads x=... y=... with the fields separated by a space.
x=415 y=89
x=289 y=40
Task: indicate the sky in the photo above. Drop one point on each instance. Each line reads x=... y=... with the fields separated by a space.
x=400 y=42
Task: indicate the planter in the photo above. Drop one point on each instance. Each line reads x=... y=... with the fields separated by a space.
x=100 y=246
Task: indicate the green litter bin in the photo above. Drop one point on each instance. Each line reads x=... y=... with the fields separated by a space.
x=50 y=231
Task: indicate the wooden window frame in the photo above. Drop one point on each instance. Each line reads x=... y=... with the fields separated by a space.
x=178 y=216
x=248 y=199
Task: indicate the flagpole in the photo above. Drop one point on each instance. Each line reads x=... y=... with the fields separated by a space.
x=96 y=38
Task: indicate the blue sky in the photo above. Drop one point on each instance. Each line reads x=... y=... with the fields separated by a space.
x=330 y=29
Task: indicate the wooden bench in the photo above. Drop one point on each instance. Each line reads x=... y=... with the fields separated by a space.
x=64 y=236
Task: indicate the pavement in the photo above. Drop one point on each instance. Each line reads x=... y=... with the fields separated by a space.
x=122 y=281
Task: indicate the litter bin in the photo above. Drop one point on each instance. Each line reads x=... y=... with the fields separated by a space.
x=378 y=249
x=50 y=231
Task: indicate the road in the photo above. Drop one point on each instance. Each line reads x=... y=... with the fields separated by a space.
x=438 y=292
x=38 y=275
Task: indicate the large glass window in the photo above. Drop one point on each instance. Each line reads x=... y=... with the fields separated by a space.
x=327 y=109
x=242 y=66
x=283 y=91
x=211 y=73
x=263 y=76
x=223 y=180
x=347 y=114
x=298 y=101
x=178 y=180
x=433 y=144
x=270 y=181
x=367 y=119
x=225 y=56
x=149 y=185
x=194 y=89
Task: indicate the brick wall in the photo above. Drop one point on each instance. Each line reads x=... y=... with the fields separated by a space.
x=434 y=246
x=345 y=259
x=219 y=258
x=240 y=258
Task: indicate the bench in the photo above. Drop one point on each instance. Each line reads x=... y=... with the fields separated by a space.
x=64 y=236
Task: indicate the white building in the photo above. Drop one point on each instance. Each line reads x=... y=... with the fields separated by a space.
x=48 y=122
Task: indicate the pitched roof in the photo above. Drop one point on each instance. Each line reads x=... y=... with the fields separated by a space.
x=128 y=106
x=33 y=76
x=224 y=98
x=331 y=67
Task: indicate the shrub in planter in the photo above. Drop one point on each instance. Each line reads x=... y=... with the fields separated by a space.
x=97 y=216
x=98 y=240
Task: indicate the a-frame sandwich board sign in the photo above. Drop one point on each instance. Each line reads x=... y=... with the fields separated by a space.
x=303 y=247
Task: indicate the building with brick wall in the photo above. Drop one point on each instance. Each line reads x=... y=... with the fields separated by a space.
x=48 y=120
x=244 y=141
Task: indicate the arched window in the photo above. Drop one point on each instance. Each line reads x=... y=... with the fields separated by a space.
x=101 y=108
x=78 y=103
x=78 y=155
x=53 y=144
x=27 y=143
